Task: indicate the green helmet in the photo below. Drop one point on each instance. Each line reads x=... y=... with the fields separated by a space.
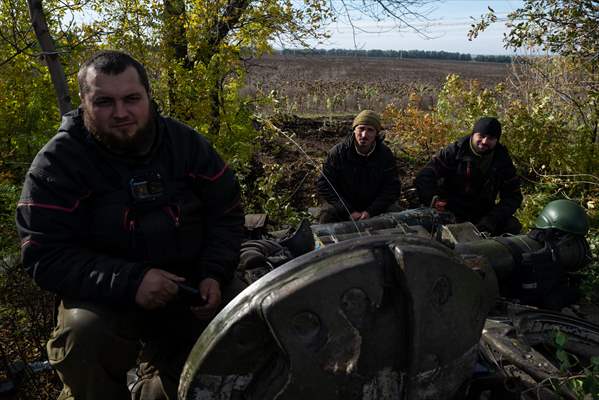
x=564 y=215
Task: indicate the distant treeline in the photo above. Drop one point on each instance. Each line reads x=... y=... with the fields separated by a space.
x=437 y=55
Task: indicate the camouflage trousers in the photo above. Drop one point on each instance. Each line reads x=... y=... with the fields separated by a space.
x=106 y=353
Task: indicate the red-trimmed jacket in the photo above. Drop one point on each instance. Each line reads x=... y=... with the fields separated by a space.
x=86 y=236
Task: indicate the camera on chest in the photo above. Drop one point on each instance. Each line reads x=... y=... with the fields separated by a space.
x=147 y=187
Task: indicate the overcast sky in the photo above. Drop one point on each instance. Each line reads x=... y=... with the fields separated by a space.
x=446 y=29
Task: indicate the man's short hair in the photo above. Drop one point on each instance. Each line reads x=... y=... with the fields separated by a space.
x=111 y=62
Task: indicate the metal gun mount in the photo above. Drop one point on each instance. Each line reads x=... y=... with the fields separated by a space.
x=394 y=311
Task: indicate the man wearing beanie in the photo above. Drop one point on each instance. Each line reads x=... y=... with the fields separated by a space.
x=467 y=176
x=359 y=178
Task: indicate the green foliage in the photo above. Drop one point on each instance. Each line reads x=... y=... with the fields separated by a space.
x=567 y=27
x=29 y=115
x=274 y=201
x=461 y=103
x=557 y=97
x=194 y=51
x=546 y=131
x=582 y=380
x=535 y=199
x=9 y=195
x=416 y=132
x=552 y=117
x=266 y=183
x=236 y=139
x=590 y=382
x=590 y=274
x=565 y=359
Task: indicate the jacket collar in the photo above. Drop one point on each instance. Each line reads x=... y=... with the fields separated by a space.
x=72 y=123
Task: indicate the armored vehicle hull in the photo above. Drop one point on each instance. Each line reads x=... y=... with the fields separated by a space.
x=389 y=308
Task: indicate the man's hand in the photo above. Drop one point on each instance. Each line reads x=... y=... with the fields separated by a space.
x=358 y=215
x=486 y=225
x=438 y=204
x=210 y=292
x=157 y=288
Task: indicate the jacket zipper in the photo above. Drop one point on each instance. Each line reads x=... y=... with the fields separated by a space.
x=175 y=217
x=128 y=224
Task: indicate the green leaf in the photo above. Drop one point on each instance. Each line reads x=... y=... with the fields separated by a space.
x=560 y=338
x=564 y=359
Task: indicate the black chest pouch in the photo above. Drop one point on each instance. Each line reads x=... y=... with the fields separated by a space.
x=148 y=187
x=149 y=216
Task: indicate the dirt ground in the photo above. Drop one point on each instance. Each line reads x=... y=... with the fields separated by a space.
x=325 y=85
x=300 y=149
x=287 y=68
x=320 y=95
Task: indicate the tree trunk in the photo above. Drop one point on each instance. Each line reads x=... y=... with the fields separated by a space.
x=175 y=35
x=216 y=31
x=175 y=48
x=50 y=56
x=215 y=96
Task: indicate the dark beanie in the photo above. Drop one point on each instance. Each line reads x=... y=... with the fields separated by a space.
x=488 y=126
x=368 y=117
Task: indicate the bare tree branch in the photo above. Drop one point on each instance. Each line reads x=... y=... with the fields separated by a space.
x=401 y=13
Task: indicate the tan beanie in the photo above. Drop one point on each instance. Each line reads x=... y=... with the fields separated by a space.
x=368 y=117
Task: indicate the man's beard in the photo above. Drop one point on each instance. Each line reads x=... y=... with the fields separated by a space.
x=479 y=151
x=138 y=144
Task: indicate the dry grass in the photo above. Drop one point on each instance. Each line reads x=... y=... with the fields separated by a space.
x=26 y=319
x=319 y=85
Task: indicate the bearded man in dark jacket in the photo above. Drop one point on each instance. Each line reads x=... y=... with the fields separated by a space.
x=467 y=176
x=359 y=178
x=118 y=211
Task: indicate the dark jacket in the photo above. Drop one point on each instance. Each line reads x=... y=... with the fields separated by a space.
x=85 y=236
x=471 y=193
x=364 y=183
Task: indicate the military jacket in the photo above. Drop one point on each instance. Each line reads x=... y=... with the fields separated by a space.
x=471 y=193
x=92 y=223
x=364 y=183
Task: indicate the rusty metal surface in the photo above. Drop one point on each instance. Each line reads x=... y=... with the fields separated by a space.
x=501 y=342
x=368 y=318
x=539 y=326
x=499 y=255
x=384 y=313
x=253 y=221
x=519 y=341
x=453 y=234
x=428 y=218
